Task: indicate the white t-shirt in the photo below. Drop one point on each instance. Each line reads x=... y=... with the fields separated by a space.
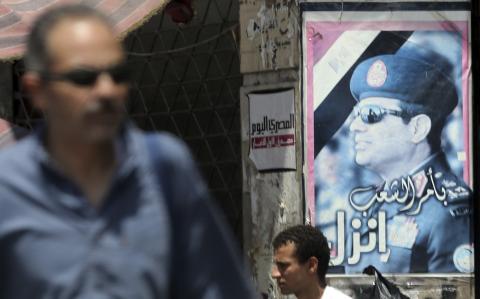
x=332 y=293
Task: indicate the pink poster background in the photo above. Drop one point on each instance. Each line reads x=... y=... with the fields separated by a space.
x=319 y=37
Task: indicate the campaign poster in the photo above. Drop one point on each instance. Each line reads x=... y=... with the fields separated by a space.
x=387 y=101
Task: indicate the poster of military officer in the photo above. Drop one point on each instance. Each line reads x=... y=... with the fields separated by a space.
x=388 y=141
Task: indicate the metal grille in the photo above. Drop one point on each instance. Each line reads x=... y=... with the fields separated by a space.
x=186 y=81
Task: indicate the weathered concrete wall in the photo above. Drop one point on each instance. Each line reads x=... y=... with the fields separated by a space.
x=269 y=50
x=272 y=200
x=269 y=35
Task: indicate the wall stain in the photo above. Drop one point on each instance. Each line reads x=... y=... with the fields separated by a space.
x=271 y=31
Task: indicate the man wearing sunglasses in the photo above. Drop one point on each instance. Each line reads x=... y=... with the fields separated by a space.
x=91 y=207
x=420 y=215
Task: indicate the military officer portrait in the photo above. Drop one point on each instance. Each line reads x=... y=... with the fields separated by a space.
x=418 y=218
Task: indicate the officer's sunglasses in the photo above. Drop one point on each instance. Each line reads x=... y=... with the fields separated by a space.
x=87 y=77
x=371 y=114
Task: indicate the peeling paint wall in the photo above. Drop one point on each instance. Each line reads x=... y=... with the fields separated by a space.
x=269 y=49
x=268 y=35
x=272 y=200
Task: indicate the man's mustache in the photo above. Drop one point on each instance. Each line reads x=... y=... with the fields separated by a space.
x=105 y=106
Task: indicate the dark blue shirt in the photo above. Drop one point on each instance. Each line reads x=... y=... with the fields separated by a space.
x=156 y=234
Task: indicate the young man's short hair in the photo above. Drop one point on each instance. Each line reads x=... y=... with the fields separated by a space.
x=308 y=242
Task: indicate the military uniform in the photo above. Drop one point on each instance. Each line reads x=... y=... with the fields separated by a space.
x=436 y=239
x=421 y=222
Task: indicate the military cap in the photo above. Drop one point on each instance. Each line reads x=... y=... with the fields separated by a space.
x=409 y=77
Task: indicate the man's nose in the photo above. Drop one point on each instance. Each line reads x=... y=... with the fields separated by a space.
x=275 y=273
x=105 y=84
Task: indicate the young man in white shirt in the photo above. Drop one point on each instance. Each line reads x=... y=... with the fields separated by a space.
x=301 y=257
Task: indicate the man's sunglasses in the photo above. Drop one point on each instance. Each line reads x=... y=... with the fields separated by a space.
x=371 y=114
x=87 y=77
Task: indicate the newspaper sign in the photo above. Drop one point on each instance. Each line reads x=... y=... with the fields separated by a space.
x=272 y=130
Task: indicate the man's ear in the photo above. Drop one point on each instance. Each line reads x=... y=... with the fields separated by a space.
x=312 y=265
x=33 y=86
x=420 y=126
